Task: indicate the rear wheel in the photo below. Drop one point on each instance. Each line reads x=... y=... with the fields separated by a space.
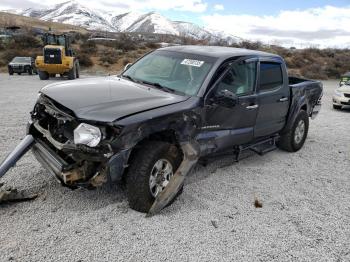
x=72 y=74
x=150 y=171
x=19 y=73
x=336 y=107
x=295 y=138
x=43 y=75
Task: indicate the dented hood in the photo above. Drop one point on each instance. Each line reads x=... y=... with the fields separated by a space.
x=108 y=98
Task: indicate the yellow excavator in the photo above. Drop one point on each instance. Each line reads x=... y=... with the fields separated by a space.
x=58 y=57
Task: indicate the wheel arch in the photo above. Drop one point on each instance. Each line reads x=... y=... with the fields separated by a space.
x=294 y=110
x=169 y=135
x=121 y=163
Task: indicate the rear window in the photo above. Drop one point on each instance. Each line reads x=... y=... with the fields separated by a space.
x=270 y=76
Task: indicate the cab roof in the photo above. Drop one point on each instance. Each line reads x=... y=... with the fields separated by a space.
x=217 y=51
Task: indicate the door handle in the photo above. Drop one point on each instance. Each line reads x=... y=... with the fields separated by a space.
x=252 y=107
x=283 y=99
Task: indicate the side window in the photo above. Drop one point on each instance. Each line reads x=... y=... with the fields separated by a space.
x=240 y=79
x=270 y=76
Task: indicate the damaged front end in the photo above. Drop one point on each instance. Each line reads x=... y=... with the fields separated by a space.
x=74 y=164
x=82 y=153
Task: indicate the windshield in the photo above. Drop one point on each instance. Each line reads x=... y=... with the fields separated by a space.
x=174 y=71
x=21 y=60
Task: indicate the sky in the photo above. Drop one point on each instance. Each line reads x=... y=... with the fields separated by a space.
x=320 y=23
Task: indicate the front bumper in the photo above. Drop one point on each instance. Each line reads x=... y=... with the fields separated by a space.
x=17 y=69
x=341 y=100
x=50 y=160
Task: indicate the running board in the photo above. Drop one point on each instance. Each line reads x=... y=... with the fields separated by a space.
x=260 y=147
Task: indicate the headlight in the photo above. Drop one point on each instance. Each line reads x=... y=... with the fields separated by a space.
x=87 y=135
x=338 y=93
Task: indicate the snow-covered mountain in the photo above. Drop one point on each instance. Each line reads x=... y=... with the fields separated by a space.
x=74 y=13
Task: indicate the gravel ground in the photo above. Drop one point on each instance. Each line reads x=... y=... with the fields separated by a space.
x=305 y=196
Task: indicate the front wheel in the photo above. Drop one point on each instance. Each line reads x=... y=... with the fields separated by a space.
x=336 y=107
x=295 y=138
x=43 y=75
x=149 y=173
x=72 y=74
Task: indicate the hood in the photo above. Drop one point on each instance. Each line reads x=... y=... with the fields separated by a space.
x=17 y=64
x=344 y=89
x=107 y=99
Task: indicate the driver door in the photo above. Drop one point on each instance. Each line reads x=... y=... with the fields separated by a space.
x=233 y=124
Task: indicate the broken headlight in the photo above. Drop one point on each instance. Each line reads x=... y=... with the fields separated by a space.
x=87 y=135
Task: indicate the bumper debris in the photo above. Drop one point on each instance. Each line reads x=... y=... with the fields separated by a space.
x=9 y=194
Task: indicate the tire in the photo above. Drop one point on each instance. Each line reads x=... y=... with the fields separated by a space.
x=138 y=179
x=72 y=73
x=77 y=72
x=294 y=139
x=336 y=107
x=19 y=74
x=10 y=72
x=43 y=75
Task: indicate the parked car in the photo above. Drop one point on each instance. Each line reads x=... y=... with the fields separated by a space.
x=344 y=78
x=148 y=126
x=341 y=96
x=21 y=65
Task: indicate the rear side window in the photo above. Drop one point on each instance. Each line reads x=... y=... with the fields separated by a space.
x=270 y=76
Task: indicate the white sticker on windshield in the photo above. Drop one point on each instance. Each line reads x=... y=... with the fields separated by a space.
x=191 y=62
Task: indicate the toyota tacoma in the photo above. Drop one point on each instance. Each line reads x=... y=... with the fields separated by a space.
x=148 y=126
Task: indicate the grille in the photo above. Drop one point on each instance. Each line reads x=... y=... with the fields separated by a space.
x=55 y=119
x=52 y=56
x=347 y=95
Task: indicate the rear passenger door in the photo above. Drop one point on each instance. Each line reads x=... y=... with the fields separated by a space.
x=273 y=96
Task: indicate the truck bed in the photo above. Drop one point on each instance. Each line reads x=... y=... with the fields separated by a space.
x=306 y=90
x=296 y=81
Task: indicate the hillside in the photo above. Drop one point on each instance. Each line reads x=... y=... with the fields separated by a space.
x=8 y=19
x=74 y=13
x=110 y=57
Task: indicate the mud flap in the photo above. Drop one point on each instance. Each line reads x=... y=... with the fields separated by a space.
x=191 y=155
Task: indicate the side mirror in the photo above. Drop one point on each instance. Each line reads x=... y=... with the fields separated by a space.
x=226 y=98
x=128 y=65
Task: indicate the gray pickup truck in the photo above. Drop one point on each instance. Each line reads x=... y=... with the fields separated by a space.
x=150 y=125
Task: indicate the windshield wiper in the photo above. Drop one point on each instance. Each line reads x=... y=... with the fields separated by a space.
x=130 y=78
x=159 y=86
